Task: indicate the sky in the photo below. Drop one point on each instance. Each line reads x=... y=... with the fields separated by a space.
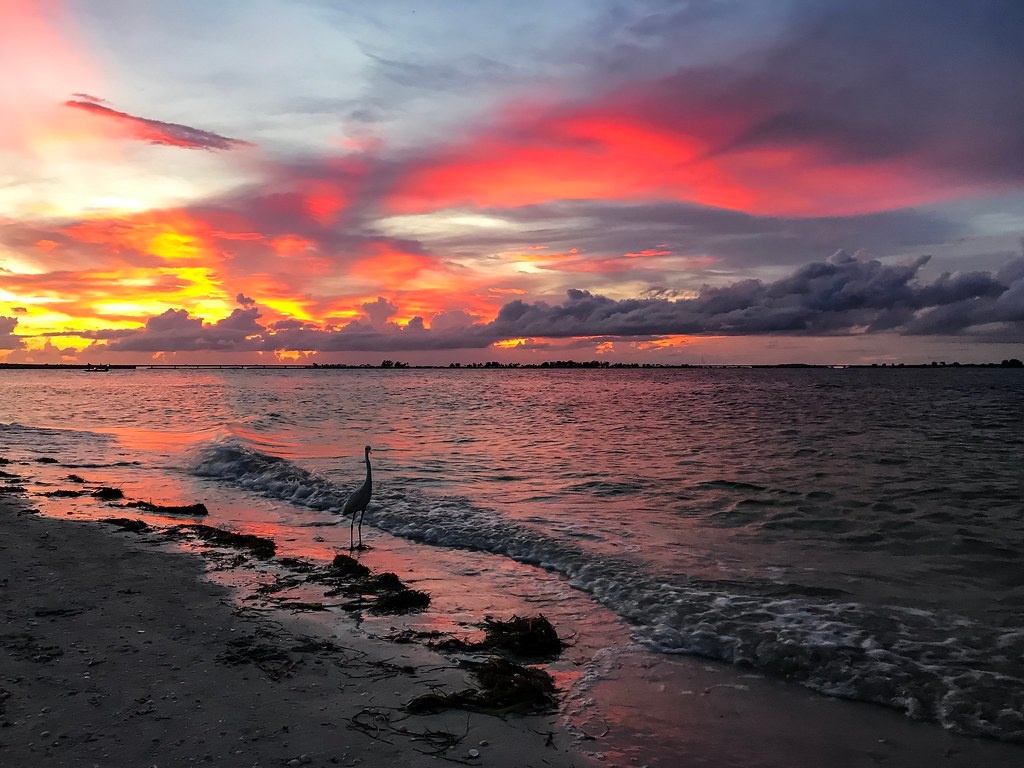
x=695 y=181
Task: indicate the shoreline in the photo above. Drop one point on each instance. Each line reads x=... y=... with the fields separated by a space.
x=117 y=651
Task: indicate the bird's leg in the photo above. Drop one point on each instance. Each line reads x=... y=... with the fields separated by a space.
x=352 y=533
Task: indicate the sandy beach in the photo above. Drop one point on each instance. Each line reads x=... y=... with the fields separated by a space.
x=116 y=652
x=124 y=648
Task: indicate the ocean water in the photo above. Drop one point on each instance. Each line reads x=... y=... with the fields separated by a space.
x=858 y=532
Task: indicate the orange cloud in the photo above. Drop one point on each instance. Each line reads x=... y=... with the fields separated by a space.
x=389 y=266
x=650 y=253
x=170 y=235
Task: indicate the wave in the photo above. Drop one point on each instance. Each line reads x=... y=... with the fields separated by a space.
x=14 y=428
x=958 y=672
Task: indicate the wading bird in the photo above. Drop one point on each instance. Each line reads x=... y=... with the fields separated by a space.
x=357 y=502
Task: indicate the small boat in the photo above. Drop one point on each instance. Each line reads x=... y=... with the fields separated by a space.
x=96 y=368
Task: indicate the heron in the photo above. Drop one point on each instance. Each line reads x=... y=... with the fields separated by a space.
x=357 y=501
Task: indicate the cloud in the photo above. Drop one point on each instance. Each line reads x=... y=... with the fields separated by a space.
x=453 y=320
x=155 y=131
x=867 y=80
x=379 y=311
x=843 y=295
x=838 y=108
x=176 y=331
x=8 y=339
x=688 y=144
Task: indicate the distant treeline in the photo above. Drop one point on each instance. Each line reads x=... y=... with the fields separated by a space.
x=395 y=364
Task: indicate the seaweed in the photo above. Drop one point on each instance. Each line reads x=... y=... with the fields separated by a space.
x=306 y=606
x=527 y=637
x=343 y=565
x=272 y=661
x=347 y=576
x=75 y=479
x=376 y=722
x=126 y=523
x=12 y=489
x=400 y=601
x=46 y=460
x=523 y=636
x=195 y=510
x=505 y=687
x=259 y=546
x=108 y=494
x=386 y=580
x=63 y=493
x=297 y=564
x=406 y=636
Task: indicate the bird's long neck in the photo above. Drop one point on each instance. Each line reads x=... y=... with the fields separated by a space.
x=369 y=477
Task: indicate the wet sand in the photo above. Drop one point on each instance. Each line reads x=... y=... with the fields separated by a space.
x=116 y=651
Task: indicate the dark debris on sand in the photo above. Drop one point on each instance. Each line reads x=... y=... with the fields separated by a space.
x=273 y=661
x=376 y=593
x=107 y=494
x=103 y=493
x=64 y=493
x=524 y=636
x=194 y=510
x=344 y=565
x=128 y=524
x=505 y=687
x=258 y=546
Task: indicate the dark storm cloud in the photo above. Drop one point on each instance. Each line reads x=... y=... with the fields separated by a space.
x=357 y=337
x=156 y=131
x=176 y=331
x=842 y=295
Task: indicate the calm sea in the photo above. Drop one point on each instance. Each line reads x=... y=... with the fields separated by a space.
x=855 y=531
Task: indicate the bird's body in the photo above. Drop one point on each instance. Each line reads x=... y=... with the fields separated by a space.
x=358 y=501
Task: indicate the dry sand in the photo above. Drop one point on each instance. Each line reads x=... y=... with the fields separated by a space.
x=114 y=652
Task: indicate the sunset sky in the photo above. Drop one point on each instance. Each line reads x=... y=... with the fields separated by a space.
x=724 y=181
